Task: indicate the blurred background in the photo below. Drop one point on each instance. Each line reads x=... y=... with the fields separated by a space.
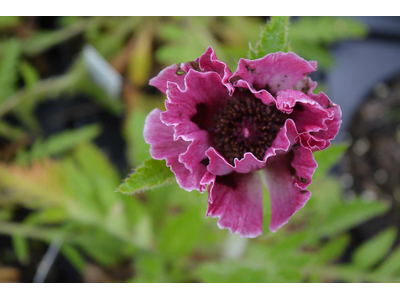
x=73 y=98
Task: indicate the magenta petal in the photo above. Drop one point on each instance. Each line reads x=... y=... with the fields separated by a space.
x=204 y=93
x=174 y=73
x=307 y=113
x=203 y=96
x=163 y=146
x=274 y=72
x=287 y=176
x=207 y=62
x=305 y=85
x=220 y=166
x=333 y=123
x=236 y=199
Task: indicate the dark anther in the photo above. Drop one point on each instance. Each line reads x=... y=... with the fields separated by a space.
x=246 y=124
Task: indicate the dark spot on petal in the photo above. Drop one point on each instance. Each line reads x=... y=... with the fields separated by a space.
x=227 y=180
x=329 y=104
x=249 y=69
x=179 y=70
x=303 y=180
x=234 y=79
x=284 y=75
x=195 y=65
x=303 y=192
x=278 y=85
x=205 y=161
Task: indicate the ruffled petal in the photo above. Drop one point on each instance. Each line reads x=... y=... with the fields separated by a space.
x=274 y=72
x=305 y=85
x=207 y=62
x=307 y=113
x=236 y=199
x=287 y=176
x=333 y=123
x=191 y=112
x=163 y=146
x=218 y=165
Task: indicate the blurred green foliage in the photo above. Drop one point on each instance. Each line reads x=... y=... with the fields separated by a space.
x=68 y=185
x=273 y=38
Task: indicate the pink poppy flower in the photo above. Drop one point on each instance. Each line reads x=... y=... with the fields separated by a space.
x=230 y=133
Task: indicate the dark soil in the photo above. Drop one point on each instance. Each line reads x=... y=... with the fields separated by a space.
x=371 y=166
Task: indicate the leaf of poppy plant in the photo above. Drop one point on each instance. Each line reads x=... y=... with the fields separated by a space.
x=153 y=173
x=373 y=250
x=273 y=39
x=327 y=159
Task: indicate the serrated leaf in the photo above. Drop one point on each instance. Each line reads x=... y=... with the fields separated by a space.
x=153 y=173
x=373 y=250
x=273 y=38
x=328 y=158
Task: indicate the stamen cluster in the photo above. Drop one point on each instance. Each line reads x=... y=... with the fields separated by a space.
x=246 y=124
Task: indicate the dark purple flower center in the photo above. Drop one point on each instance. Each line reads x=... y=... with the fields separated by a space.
x=246 y=124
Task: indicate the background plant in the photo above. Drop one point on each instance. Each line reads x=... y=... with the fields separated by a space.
x=64 y=183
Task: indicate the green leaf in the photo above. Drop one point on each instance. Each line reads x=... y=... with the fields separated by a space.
x=325 y=30
x=8 y=68
x=59 y=143
x=391 y=265
x=11 y=132
x=73 y=255
x=332 y=250
x=154 y=173
x=9 y=21
x=231 y=272
x=149 y=268
x=29 y=74
x=373 y=250
x=273 y=38
x=140 y=62
x=180 y=234
x=310 y=36
x=138 y=150
x=327 y=159
x=346 y=215
x=21 y=248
